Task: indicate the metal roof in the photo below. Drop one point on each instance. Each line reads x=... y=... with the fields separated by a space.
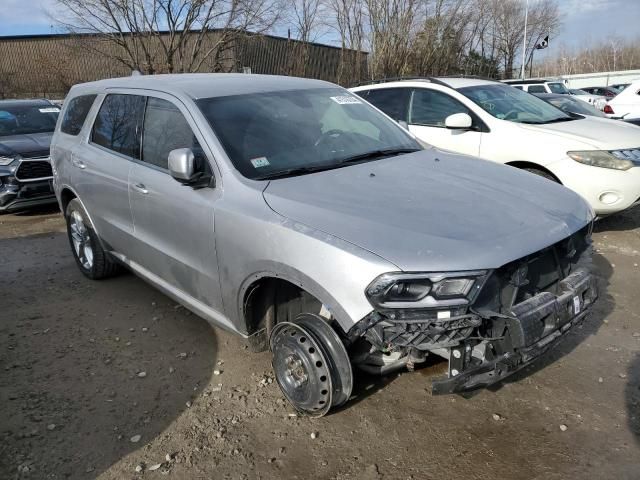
x=202 y=85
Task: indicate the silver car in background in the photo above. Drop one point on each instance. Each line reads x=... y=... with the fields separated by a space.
x=299 y=216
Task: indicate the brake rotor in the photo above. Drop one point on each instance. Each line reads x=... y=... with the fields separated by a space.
x=311 y=364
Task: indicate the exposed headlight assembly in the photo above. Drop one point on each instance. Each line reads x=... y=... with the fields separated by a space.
x=425 y=290
x=602 y=159
x=6 y=160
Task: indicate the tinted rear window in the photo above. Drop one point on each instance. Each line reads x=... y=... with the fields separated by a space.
x=117 y=124
x=392 y=101
x=76 y=113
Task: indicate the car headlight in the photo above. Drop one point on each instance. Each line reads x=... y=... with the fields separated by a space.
x=601 y=158
x=425 y=290
x=6 y=160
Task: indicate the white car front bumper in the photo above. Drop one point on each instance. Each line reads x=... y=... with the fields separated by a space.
x=607 y=191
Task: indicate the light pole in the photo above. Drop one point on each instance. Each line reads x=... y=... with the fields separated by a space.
x=524 y=39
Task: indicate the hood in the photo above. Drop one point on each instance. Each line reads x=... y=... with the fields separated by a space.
x=594 y=132
x=433 y=211
x=27 y=145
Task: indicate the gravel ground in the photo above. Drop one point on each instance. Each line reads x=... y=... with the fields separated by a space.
x=113 y=380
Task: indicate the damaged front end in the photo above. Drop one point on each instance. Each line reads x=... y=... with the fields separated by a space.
x=487 y=324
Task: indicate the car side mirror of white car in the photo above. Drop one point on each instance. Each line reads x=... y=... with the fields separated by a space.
x=458 y=121
x=185 y=168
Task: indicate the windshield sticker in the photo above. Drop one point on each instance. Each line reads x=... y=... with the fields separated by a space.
x=259 y=162
x=345 y=100
x=49 y=110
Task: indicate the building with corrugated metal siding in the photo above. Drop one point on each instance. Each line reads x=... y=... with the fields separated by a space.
x=48 y=65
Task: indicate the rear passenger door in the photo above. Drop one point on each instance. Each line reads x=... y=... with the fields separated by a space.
x=428 y=111
x=173 y=223
x=102 y=167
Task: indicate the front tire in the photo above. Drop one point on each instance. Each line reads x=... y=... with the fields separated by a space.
x=542 y=173
x=87 y=250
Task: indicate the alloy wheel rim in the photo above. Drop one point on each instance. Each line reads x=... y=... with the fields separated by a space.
x=81 y=240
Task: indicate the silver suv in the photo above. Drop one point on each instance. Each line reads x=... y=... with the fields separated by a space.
x=297 y=215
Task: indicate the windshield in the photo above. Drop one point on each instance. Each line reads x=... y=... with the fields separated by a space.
x=619 y=88
x=507 y=103
x=571 y=105
x=558 y=88
x=298 y=131
x=25 y=119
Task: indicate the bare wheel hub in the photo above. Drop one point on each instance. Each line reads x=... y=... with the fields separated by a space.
x=311 y=364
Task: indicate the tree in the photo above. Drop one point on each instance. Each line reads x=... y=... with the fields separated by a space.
x=156 y=36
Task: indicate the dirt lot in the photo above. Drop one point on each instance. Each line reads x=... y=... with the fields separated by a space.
x=75 y=403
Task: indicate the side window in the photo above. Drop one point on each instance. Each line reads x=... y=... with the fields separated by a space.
x=536 y=89
x=392 y=101
x=519 y=87
x=430 y=107
x=76 y=113
x=117 y=124
x=165 y=129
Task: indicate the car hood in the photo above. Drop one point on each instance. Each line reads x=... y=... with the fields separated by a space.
x=27 y=145
x=593 y=132
x=432 y=210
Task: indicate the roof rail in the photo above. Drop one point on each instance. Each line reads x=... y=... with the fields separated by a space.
x=393 y=79
x=436 y=80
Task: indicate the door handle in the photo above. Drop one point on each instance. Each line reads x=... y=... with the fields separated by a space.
x=80 y=164
x=140 y=188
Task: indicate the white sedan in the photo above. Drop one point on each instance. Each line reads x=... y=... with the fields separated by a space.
x=626 y=105
x=595 y=157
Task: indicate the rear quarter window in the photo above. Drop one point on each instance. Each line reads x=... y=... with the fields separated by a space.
x=76 y=113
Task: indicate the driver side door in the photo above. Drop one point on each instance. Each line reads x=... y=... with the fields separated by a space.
x=173 y=223
x=428 y=111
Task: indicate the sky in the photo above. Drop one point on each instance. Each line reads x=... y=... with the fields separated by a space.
x=584 y=22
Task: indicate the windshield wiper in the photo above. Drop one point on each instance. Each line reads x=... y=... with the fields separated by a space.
x=377 y=154
x=291 y=172
x=555 y=120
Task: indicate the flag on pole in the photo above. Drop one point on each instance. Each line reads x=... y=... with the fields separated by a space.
x=543 y=44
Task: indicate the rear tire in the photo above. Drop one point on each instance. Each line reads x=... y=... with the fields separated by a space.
x=92 y=260
x=542 y=173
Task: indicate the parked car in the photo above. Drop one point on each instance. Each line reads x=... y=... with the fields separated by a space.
x=626 y=104
x=618 y=87
x=539 y=85
x=297 y=215
x=569 y=104
x=598 y=101
x=597 y=158
x=26 y=127
x=602 y=91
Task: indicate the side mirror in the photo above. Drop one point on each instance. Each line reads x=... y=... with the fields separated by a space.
x=187 y=169
x=458 y=121
x=182 y=164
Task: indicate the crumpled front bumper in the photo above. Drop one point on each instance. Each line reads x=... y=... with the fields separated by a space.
x=16 y=195
x=530 y=335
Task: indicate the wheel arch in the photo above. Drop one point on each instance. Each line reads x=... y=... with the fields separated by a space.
x=523 y=164
x=263 y=292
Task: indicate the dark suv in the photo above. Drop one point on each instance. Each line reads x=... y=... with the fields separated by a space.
x=26 y=127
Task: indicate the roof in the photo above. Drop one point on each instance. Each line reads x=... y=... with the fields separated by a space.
x=203 y=85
